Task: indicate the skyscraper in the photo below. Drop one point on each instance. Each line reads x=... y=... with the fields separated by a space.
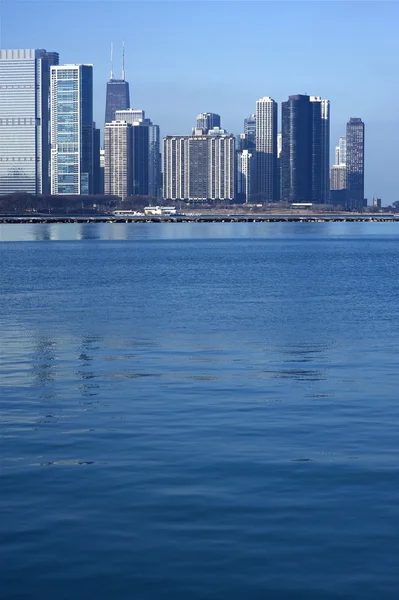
x=71 y=129
x=320 y=149
x=154 y=161
x=140 y=149
x=266 y=150
x=245 y=164
x=98 y=187
x=117 y=95
x=118 y=159
x=199 y=168
x=207 y=121
x=355 y=162
x=305 y=149
x=24 y=120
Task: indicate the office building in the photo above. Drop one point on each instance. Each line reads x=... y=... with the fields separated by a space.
x=338 y=177
x=154 y=162
x=117 y=93
x=98 y=187
x=355 y=163
x=118 y=159
x=24 y=120
x=245 y=172
x=266 y=150
x=207 y=121
x=305 y=155
x=199 y=168
x=140 y=149
x=320 y=149
x=250 y=131
x=71 y=103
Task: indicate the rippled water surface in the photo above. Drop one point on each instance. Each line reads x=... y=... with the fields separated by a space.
x=199 y=412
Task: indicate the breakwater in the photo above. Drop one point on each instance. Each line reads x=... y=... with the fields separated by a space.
x=203 y=218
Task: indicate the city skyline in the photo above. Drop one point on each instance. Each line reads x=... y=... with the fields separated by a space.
x=172 y=95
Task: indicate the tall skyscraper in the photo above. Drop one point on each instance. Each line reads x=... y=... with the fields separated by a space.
x=320 y=149
x=305 y=149
x=207 y=121
x=71 y=129
x=98 y=187
x=266 y=150
x=154 y=162
x=24 y=120
x=342 y=150
x=117 y=94
x=118 y=159
x=199 y=168
x=355 y=162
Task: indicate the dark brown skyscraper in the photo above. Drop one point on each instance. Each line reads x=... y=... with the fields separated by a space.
x=117 y=97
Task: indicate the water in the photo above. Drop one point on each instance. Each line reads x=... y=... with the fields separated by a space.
x=200 y=412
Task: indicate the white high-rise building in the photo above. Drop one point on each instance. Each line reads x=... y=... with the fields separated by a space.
x=324 y=148
x=199 y=168
x=245 y=164
x=24 y=120
x=71 y=127
x=266 y=150
x=118 y=159
x=338 y=177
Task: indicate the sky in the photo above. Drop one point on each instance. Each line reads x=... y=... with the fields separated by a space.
x=188 y=56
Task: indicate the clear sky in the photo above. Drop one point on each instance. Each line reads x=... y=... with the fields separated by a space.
x=189 y=56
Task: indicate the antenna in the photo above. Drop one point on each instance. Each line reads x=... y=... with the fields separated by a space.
x=123 y=61
x=112 y=60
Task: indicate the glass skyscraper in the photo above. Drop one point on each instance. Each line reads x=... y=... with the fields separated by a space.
x=71 y=129
x=207 y=121
x=305 y=149
x=24 y=120
x=117 y=98
x=355 y=163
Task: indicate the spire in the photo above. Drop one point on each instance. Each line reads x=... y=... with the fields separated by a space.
x=112 y=60
x=123 y=61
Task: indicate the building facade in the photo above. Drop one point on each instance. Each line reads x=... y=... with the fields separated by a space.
x=355 y=163
x=245 y=176
x=118 y=179
x=71 y=104
x=305 y=149
x=250 y=131
x=266 y=150
x=199 y=168
x=24 y=120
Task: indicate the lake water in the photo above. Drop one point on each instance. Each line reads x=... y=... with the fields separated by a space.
x=199 y=411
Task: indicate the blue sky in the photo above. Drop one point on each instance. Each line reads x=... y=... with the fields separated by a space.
x=187 y=56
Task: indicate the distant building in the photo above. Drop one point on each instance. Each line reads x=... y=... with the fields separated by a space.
x=250 y=131
x=207 y=121
x=320 y=149
x=71 y=129
x=355 y=163
x=338 y=177
x=199 y=168
x=98 y=182
x=117 y=93
x=118 y=159
x=140 y=149
x=266 y=150
x=245 y=176
x=377 y=202
x=24 y=120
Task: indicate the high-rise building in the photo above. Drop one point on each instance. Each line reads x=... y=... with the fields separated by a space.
x=98 y=184
x=199 y=168
x=24 y=120
x=250 y=131
x=117 y=94
x=320 y=149
x=338 y=177
x=140 y=149
x=245 y=169
x=207 y=121
x=266 y=150
x=305 y=149
x=154 y=161
x=355 y=162
x=118 y=159
x=71 y=129
x=341 y=151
